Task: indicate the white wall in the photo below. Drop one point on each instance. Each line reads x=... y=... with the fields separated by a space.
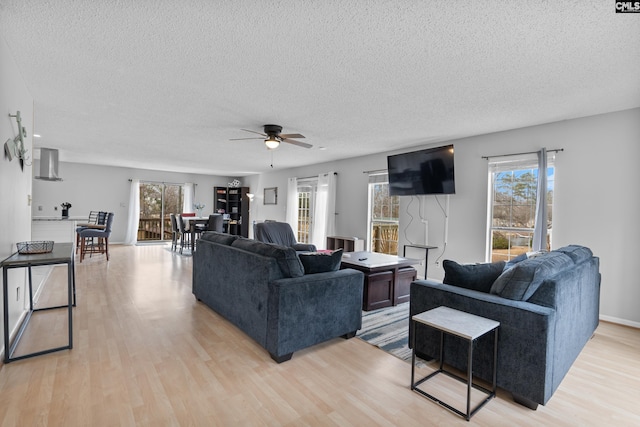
x=596 y=203
x=15 y=184
x=351 y=198
x=106 y=188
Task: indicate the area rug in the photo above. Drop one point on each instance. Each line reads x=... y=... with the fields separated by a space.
x=388 y=329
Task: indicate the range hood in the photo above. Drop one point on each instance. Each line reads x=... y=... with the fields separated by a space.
x=48 y=165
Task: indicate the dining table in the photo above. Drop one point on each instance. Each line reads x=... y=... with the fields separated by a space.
x=190 y=223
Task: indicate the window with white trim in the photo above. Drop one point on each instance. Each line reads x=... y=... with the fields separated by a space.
x=383 y=216
x=512 y=205
x=306 y=203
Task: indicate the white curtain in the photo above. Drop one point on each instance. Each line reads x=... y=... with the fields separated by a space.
x=540 y=229
x=324 y=214
x=292 y=204
x=134 y=213
x=187 y=205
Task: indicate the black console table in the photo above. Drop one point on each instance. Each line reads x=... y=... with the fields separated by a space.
x=62 y=253
x=426 y=254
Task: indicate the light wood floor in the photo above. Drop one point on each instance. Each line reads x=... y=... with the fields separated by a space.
x=146 y=353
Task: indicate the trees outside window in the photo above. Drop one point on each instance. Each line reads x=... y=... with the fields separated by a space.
x=157 y=201
x=513 y=208
x=383 y=216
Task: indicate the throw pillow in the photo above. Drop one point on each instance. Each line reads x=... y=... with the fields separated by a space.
x=478 y=277
x=513 y=261
x=321 y=262
x=521 y=282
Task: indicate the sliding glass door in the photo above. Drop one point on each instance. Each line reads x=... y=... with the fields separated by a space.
x=157 y=201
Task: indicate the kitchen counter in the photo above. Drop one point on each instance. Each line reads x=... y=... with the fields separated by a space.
x=59 y=218
x=55 y=228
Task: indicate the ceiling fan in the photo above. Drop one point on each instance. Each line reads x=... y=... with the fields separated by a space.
x=272 y=137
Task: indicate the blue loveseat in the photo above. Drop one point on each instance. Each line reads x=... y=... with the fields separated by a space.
x=262 y=288
x=547 y=306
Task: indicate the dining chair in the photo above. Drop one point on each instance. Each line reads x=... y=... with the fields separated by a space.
x=88 y=244
x=216 y=223
x=174 y=232
x=93 y=217
x=185 y=235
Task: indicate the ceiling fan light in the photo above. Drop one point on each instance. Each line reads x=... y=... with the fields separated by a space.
x=272 y=142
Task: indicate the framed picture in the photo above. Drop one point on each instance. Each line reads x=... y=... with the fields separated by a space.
x=271 y=196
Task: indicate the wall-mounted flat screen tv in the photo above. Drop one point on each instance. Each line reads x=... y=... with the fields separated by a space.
x=428 y=171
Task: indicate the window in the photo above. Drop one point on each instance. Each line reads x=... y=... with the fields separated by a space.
x=314 y=213
x=512 y=192
x=305 y=212
x=383 y=216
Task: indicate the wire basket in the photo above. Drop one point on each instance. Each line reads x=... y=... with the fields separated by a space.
x=37 y=247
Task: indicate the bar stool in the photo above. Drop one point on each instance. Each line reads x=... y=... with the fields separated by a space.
x=87 y=236
x=95 y=218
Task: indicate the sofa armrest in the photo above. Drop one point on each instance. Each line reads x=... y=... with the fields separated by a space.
x=305 y=247
x=525 y=338
x=307 y=310
x=424 y=290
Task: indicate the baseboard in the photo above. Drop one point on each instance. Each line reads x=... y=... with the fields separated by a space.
x=12 y=334
x=624 y=322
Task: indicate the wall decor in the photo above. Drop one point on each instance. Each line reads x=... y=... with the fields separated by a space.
x=15 y=147
x=271 y=196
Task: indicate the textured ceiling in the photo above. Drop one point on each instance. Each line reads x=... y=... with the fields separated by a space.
x=165 y=84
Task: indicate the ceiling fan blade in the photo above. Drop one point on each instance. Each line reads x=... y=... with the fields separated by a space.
x=253 y=131
x=291 y=135
x=241 y=139
x=298 y=143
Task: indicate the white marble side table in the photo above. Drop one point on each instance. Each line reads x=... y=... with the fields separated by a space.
x=464 y=325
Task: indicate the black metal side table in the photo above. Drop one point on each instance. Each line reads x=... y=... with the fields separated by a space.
x=426 y=254
x=62 y=253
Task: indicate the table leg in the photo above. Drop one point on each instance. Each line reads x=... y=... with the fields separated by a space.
x=495 y=362
x=70 y=300
x=413 y=353
x=6 y=315
x=469 y=379
x=73 y=277
x=192 y=226
x=30 y=290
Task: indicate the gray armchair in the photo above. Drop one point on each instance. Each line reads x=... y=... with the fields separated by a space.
x=281 y=234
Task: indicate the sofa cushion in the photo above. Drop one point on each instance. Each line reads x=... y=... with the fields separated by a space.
x=321 y=262
x=220 y=238
x=577 y=253
x=287 y=258
x=478 y=277
x=520 y=282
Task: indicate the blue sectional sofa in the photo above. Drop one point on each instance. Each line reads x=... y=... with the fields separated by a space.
x=547 y=306
x=262 y=288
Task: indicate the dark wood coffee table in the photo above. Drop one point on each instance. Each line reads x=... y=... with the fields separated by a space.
x=387 y=278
